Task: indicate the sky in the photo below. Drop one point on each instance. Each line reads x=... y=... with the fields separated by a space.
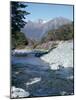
x=48 y=11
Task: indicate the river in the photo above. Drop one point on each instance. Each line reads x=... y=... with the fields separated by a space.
x=34 y=75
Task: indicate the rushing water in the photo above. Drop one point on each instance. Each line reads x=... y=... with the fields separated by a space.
x=34 y=75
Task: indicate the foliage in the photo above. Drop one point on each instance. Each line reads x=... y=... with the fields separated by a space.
x=19 y=41
x=17 y=22
x=64 y=32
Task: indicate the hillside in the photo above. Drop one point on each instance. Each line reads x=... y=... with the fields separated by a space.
x=64 y=32
x=36 y=30
x=40 y=34
x=52 y=38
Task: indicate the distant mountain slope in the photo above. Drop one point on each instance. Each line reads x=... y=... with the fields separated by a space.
x=64 y=32
x=36 y=30
x=33 y=30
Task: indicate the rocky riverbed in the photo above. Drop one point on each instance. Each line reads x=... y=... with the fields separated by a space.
x=34 y=75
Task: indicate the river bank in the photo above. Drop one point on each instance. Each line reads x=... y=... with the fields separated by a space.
x=62 y=56
x=35 y=75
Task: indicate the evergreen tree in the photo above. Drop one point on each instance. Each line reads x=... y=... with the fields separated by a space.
x=18 y=14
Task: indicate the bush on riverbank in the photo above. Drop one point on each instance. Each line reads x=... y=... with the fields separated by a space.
x=20 y=41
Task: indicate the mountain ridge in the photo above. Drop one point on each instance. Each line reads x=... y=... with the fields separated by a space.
x=37 y=29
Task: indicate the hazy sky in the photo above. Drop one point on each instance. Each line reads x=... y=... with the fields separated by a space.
x=48 y=11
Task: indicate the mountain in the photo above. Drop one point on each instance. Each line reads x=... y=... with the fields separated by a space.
x=36 y=30
x=33 y=30
x=64 y=32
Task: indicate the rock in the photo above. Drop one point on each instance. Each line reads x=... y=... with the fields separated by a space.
x=62 y=55
x=63 y=93
x=33 y=81
x=18 y=92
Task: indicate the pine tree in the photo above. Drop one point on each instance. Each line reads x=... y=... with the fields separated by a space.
x=18 y=14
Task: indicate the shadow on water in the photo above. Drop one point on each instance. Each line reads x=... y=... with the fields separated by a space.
x=34 y=75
